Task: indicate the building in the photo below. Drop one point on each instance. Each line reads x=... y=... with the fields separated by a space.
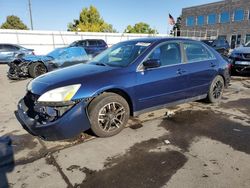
x=229 y=19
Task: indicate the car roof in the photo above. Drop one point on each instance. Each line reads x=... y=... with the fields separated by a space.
x=16 y=45
x=160 y=39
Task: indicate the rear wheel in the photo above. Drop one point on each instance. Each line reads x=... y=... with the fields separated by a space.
x=108 y=114
x=37 y=69
x=216 y=89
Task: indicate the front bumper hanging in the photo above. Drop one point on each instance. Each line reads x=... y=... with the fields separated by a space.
x=69 y=125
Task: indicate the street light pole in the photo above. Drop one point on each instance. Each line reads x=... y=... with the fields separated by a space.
x=31 y=22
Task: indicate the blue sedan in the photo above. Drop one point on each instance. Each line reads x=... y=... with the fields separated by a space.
x=128 y=79
x=35 y=65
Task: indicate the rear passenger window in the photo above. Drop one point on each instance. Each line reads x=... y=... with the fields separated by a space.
x=10 y=47
x=168 y=54
x=99 y=43
x=92 y=43
x=197 y=52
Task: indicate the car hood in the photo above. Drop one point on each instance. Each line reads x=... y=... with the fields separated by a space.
x=38 y=58
x=242 y=49
x=76 y=74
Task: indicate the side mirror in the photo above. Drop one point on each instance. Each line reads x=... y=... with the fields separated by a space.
x=151 y=63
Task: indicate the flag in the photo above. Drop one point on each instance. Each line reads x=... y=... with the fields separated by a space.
x=171 y=20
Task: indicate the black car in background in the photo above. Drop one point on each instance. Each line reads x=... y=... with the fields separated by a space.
x=240 y=60
x=220 y=45
x=92 y=46
x=34 y=65
x=8 y=52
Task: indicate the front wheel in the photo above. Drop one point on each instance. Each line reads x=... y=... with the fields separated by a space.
x=216 y=89
x=108 y=114
x=37 y=69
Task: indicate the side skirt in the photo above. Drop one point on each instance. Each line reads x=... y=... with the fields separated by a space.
x=137 y=113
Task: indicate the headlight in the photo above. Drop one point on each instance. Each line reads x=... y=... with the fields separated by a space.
x=61 y=94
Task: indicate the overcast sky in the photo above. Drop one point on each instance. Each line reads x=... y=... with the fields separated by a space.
x=56 y=14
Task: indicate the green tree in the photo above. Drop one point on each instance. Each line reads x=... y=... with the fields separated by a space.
x=140 y=27
x=13 y=22
x=90 y=21
x=177 y=27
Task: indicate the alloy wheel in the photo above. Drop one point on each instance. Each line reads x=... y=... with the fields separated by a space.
x=111 y=116
x=217 y=89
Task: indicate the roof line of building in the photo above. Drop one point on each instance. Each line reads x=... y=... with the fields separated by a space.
x=208 y=4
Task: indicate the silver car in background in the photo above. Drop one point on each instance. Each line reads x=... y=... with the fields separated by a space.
x=8 y=52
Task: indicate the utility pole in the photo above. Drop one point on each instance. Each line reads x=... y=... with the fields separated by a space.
x=31 y=22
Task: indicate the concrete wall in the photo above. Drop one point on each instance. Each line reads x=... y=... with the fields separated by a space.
x=45 y=41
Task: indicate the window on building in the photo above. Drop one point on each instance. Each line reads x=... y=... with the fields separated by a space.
x=239 y=15
x=190 y=21
x=247 y=38
x=238 y=39
x=211 y=19
x=200 y=20
x=224 y=17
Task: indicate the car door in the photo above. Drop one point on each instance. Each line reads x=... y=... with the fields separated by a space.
x=164 y=84
x=91 y=47
x=201 y=66
x=7 y=52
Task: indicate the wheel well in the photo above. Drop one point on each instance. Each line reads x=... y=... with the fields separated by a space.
x=125 y=96
x=224 y=79
x=39 y=62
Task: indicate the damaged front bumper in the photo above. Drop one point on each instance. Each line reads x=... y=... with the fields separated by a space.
x=67 y=125
x=18 y=70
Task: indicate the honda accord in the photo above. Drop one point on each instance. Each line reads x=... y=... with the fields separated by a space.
x=128 y=79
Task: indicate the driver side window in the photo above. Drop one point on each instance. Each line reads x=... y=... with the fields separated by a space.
x=167 y=54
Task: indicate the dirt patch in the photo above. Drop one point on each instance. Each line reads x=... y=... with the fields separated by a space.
x=138 y=168
x=185 y=126
x=21 y=142
x=241 y=104
x=136 y=126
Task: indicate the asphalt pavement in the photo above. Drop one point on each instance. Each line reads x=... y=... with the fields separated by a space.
x=191 y=145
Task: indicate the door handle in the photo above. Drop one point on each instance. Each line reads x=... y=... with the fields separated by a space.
x=181 y=71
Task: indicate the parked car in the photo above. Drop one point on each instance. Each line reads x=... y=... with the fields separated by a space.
x=8 y=52
x=129 y=78
x=220 y=45
x=240 y=60
x=92 y=46
x=35 y=66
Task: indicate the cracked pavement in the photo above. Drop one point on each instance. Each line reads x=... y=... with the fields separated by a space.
x=189 y=145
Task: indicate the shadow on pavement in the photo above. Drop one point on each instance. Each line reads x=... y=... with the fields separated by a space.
x=6 y=160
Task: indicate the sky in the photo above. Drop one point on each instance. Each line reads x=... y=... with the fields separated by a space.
x=56 y=14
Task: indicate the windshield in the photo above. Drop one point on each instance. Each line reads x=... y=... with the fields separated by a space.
x=121 y=54
x=56 y=53
x=72 y=54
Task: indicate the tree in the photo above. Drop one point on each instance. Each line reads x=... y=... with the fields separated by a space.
x=176 y=31
x=140 y=27
x=13 y=22
x=90 y=21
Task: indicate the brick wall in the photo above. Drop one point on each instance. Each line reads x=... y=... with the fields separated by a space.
x=232 y=28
